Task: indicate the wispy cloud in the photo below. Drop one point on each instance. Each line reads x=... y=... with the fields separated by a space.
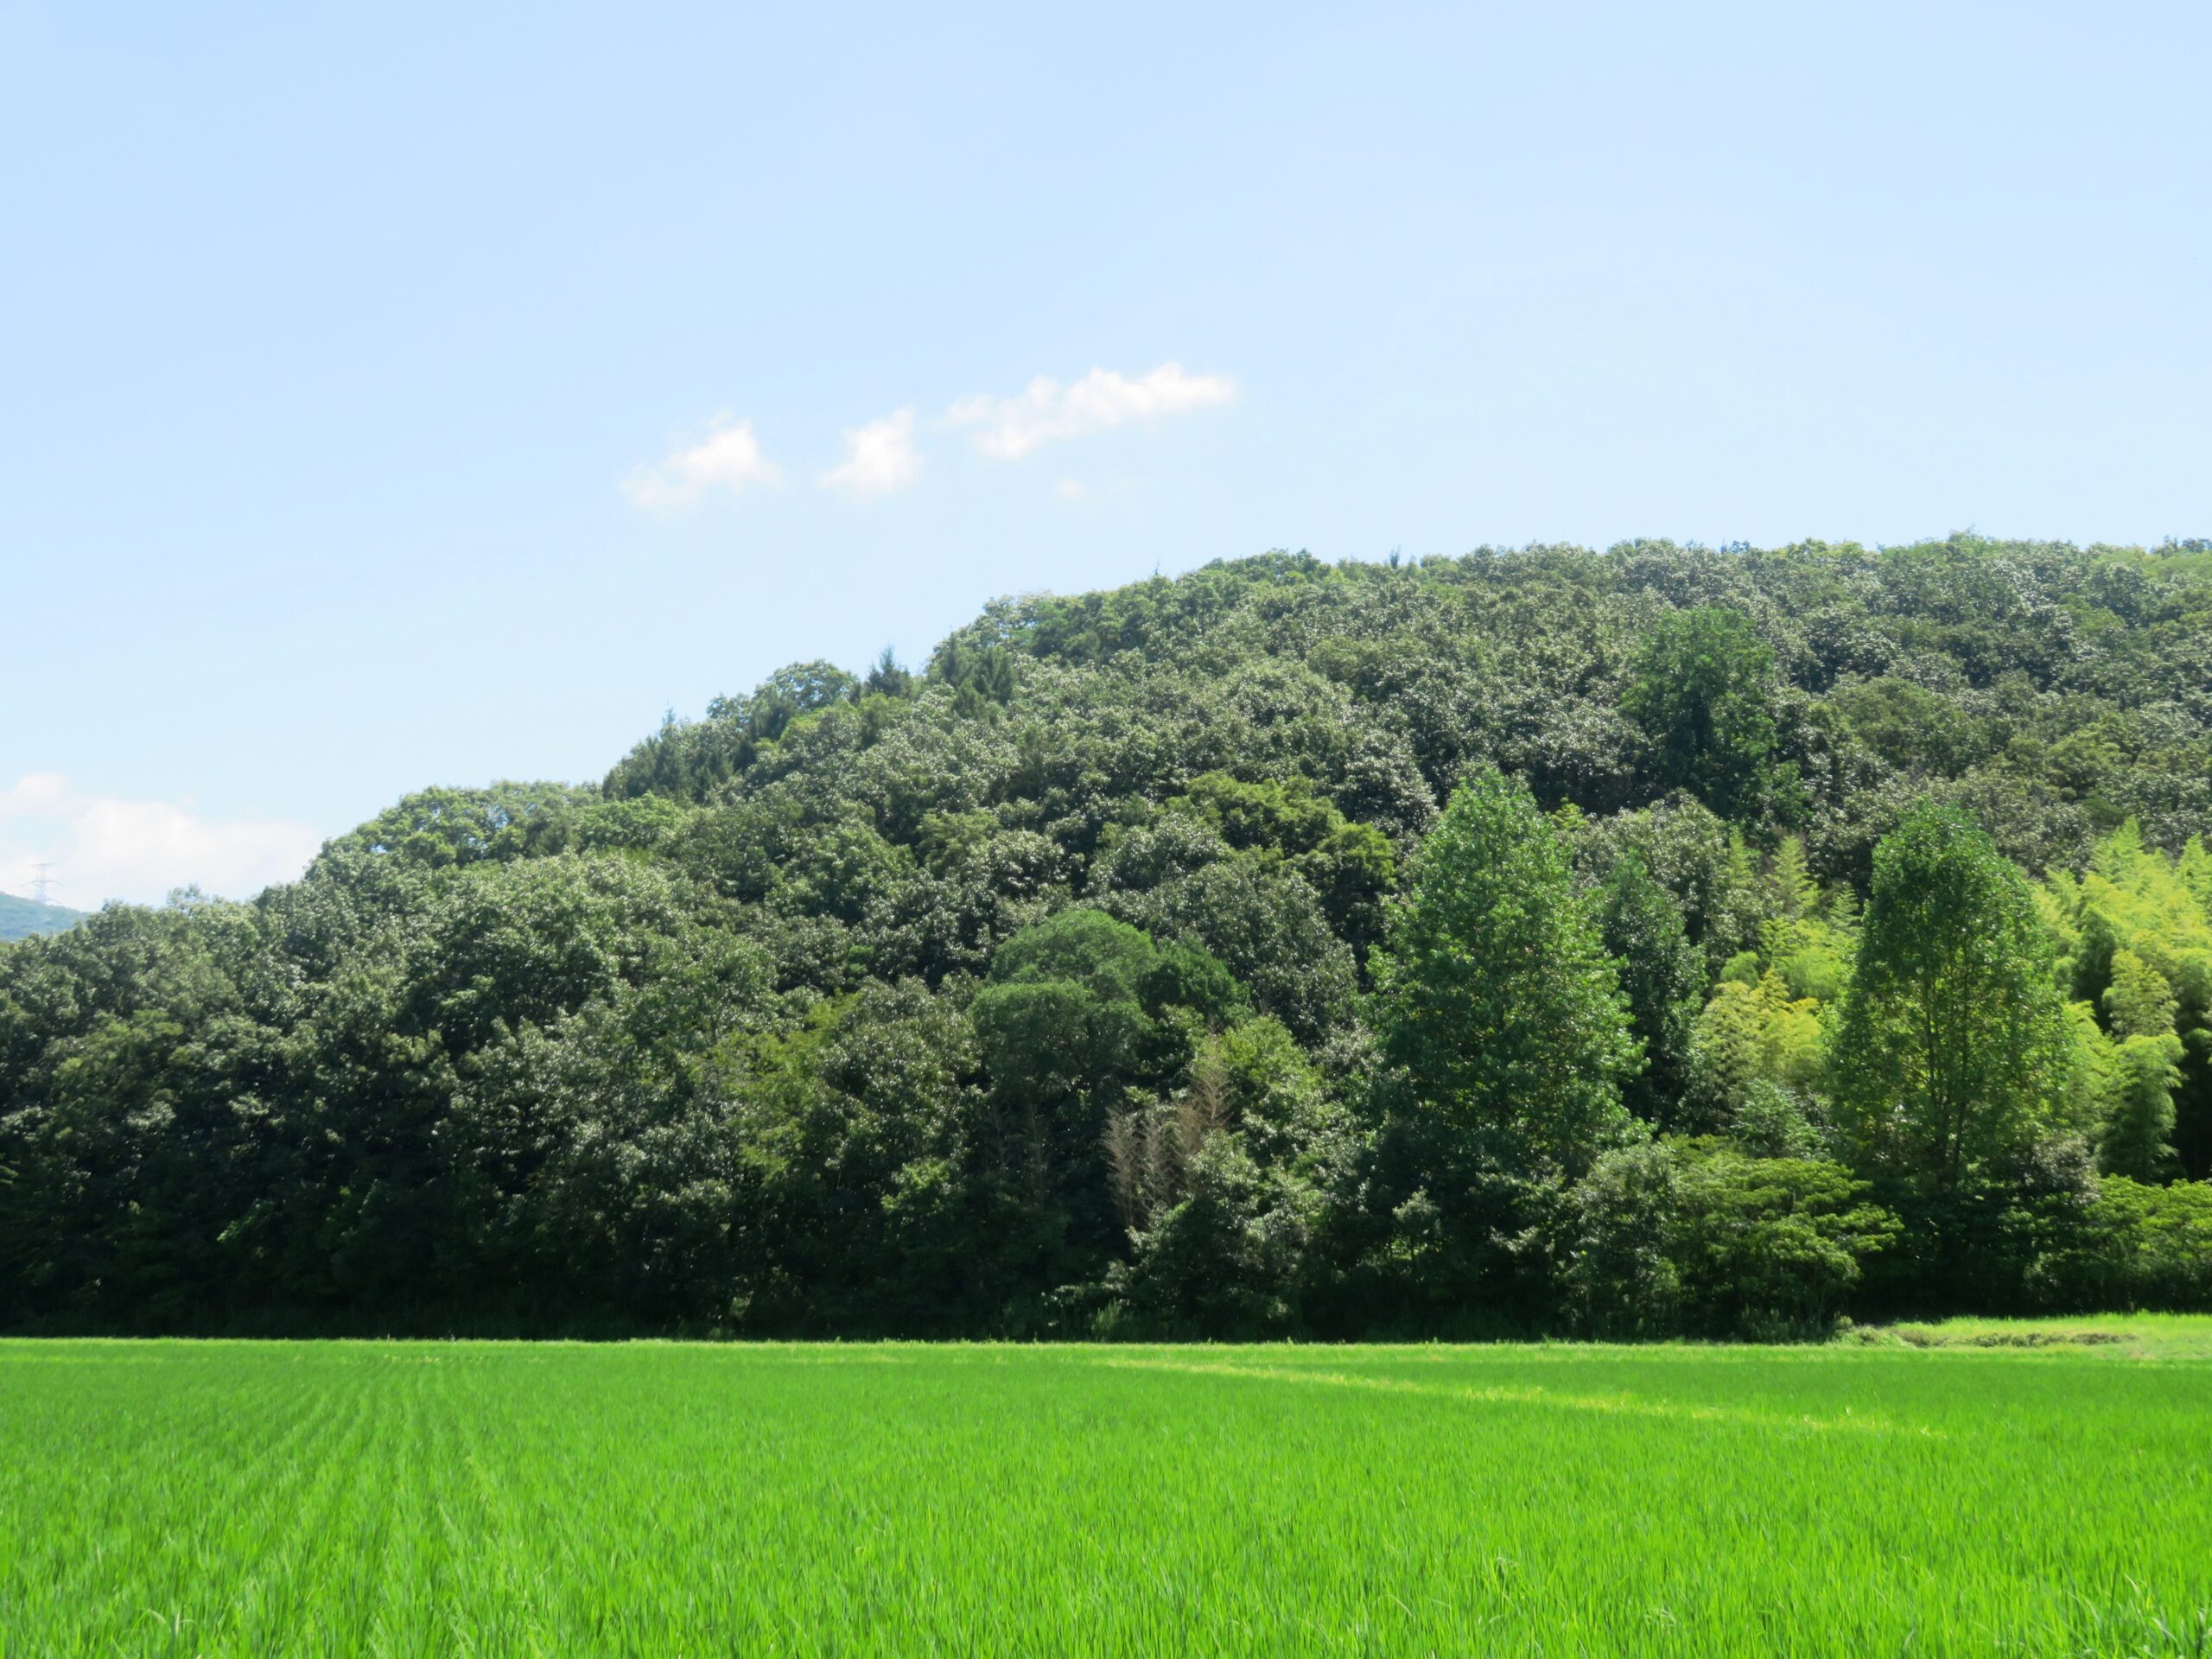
x=879 y=457
x=1010 y=428
x=727 y=458
x=101 y=847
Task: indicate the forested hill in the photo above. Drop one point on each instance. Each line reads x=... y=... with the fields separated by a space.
x=20 y=918
x=2053 y=691
x=1664 y=939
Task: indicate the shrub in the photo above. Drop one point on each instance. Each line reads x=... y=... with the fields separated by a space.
x=1697 y=1237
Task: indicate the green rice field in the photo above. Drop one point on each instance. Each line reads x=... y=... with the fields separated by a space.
x=1982 y=1489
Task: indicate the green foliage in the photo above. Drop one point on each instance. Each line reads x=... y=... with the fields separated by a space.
x=1662 y=976
x=2136 y=933
x=2137 y=1134
x=1754 y=1035
x=1770 y=1245
x=2139 y=1003
x=693 y=760
x=1076 y=984
x=1084 y=1020
x=438 y=829
x=1910 y=729
x=1759 y=1048
x=1697 y=1237
x=1951 y=1051
x=1702 y=688
x=1495 y=995
x=1772 y=1120
x=2142 y=1246
x=1064 y=1011
x=1618 y=1270
x=1351 y=867
x=1178 y=879
x=1225 y=1188
x=1707 y=869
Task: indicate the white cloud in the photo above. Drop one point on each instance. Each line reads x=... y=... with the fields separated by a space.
x=1009 y=427
x=880 y=457
x=103 y=847
x=1071 y=489
x=727 y=458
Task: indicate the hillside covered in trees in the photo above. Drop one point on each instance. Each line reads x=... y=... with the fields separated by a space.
x=1660 y=940
x=22 y=918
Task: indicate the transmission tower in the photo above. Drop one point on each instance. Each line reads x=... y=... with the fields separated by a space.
x=43 y=882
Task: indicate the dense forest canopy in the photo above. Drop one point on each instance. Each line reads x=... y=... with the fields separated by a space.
x=1659 y=940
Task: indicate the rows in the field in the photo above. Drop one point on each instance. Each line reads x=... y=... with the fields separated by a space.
x=399 y=1500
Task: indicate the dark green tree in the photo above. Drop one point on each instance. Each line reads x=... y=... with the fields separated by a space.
x=1664 y=976
x=1702 y=688
x=886 y=678
x=1083 y=1017
x=1695 y=1238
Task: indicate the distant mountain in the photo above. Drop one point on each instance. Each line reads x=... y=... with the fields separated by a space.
x=20 y=918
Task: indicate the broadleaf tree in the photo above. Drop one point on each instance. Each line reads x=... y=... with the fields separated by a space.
x=1951 y=1051
x=1495 y=995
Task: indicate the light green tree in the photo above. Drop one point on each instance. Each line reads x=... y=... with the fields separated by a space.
x=2137 y=1137
x=1952 y=1048
x=2139 y=1003
x=2136 y=930
x=1496 y=997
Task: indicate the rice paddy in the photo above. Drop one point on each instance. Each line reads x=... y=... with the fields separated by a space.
x=1884 y=1496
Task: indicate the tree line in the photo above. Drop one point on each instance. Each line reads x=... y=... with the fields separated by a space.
x=1661 y=941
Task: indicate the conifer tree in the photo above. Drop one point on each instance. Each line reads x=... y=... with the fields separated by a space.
x=1796 y=895
x=1662 y=974
x=1496 y=997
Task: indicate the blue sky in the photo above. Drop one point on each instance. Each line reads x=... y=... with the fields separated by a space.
x=396 y=397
